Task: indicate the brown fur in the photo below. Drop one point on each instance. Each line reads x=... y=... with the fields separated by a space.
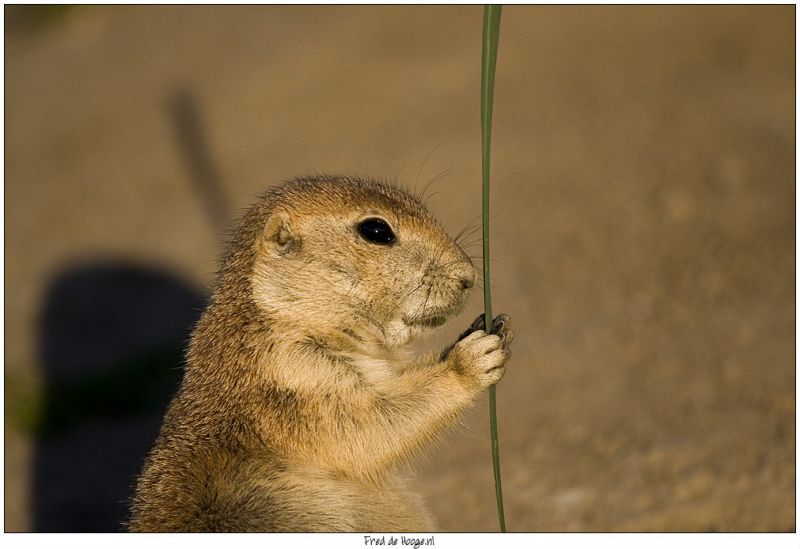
x=299 y=402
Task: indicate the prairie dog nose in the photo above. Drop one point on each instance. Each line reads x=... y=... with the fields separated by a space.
x=465 y=273
x=468 y=283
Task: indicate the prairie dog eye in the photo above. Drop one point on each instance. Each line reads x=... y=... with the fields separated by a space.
x=376 y=230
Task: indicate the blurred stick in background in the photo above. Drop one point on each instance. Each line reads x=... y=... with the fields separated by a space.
x=193 y=143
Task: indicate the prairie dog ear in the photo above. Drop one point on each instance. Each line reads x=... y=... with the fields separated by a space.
x=278 y=233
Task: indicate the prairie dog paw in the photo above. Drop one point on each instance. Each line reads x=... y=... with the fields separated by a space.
x=501 y=326
x=481 y=357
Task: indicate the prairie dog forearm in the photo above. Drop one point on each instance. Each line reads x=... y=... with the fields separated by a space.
x=413 y=407
x=373 y=428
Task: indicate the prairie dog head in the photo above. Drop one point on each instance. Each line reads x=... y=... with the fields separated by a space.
x=339 y=255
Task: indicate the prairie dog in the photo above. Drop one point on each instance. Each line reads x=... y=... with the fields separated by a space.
x=300 y=401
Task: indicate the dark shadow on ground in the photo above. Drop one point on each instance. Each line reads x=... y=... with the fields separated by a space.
x=111 y=338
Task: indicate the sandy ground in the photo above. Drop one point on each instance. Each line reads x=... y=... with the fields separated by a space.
x=643 y=231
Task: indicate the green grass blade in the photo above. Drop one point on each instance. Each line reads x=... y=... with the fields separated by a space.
x=491 y=33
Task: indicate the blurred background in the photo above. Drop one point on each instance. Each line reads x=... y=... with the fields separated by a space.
x=643 y=238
